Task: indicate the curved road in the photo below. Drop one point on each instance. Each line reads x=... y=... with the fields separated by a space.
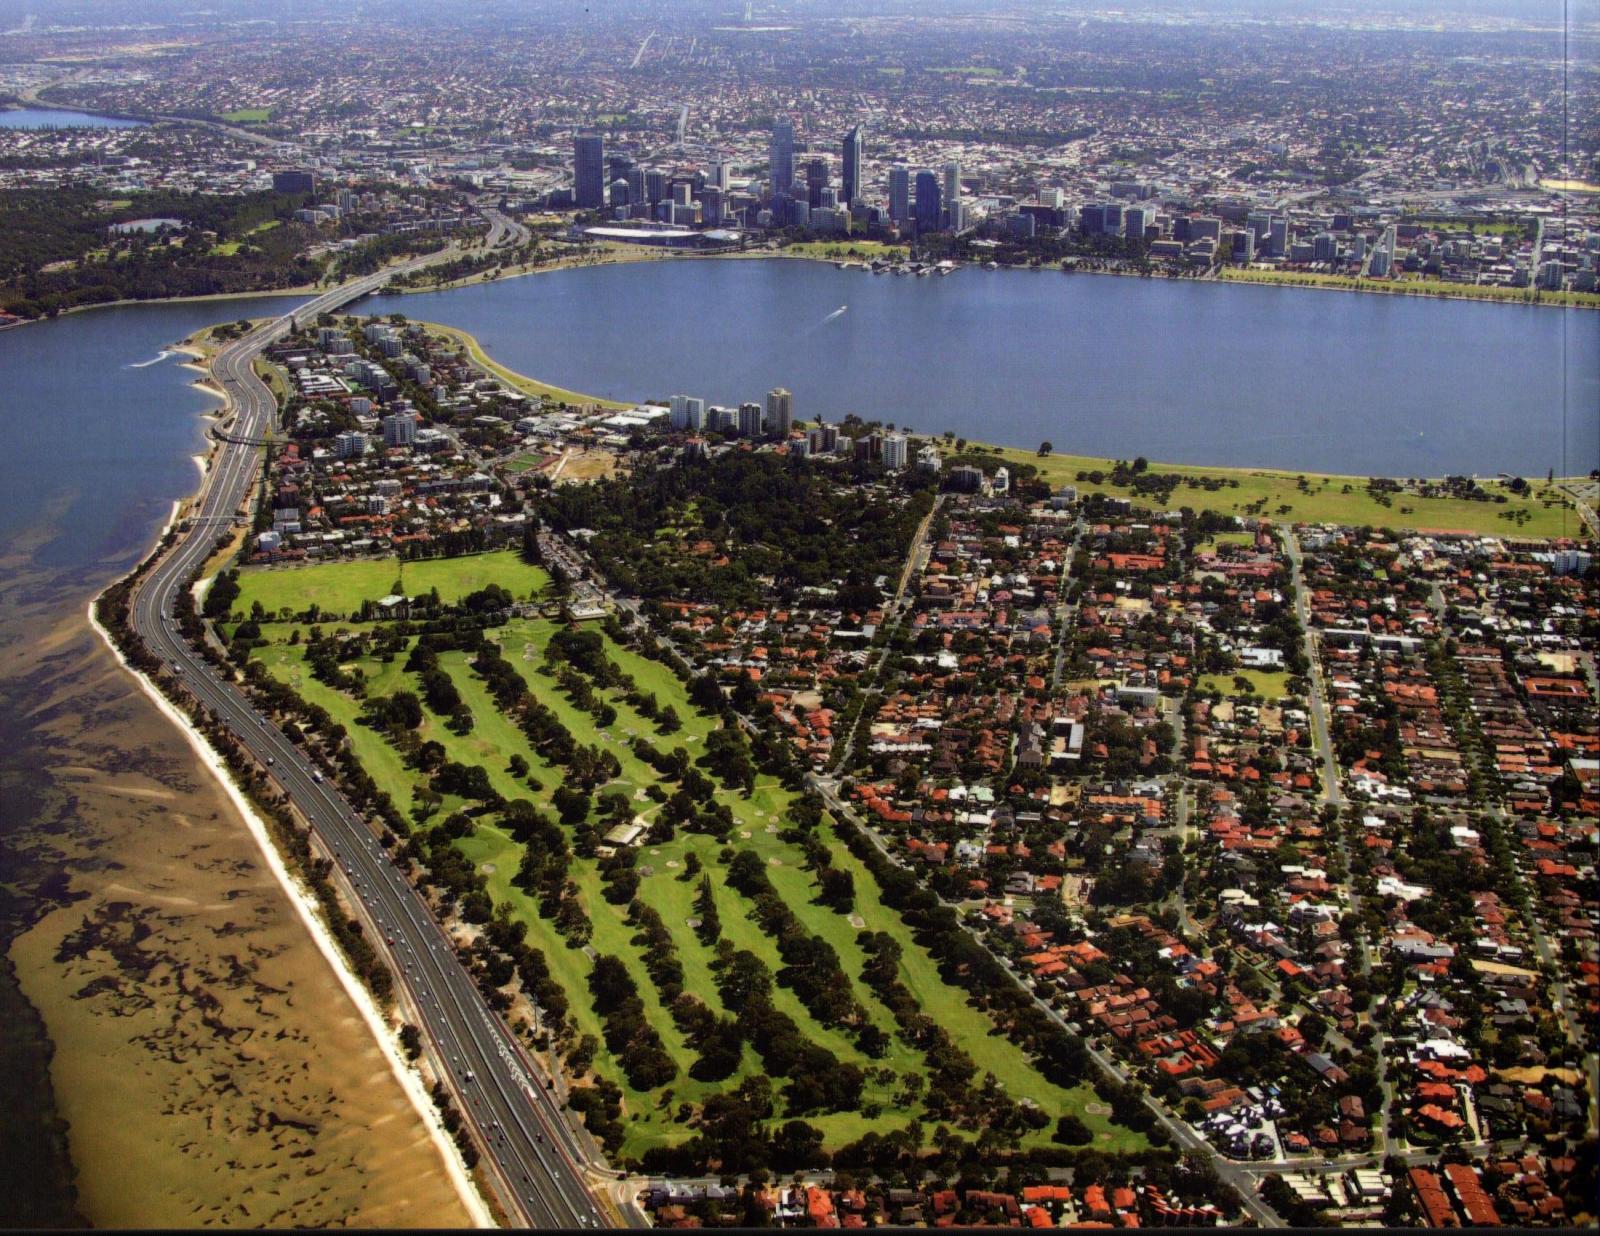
x=541 y=1172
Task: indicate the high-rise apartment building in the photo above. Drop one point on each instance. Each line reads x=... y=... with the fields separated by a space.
x=780 y=412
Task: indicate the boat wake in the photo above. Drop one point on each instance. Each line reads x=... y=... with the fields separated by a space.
x=837 y=313
x=154 y=360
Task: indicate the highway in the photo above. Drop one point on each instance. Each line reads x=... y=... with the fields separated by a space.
x=537 y=1163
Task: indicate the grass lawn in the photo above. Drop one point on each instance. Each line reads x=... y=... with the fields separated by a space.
x=652 y=1118
x=1548 y=512
x=1409 y=286
x=339 y=588
x=843 y=250
x=1268 y=684
x=517 y=381
x=227 y=248
x=248 y=115
x=522 y=463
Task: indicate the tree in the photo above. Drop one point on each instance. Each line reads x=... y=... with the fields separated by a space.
x=1045 y=448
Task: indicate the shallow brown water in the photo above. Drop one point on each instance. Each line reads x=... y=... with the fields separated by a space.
x=207 y=1065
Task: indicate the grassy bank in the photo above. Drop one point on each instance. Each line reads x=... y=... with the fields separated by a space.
x=1418 y=286
x=1310 y=497
x=527 y=385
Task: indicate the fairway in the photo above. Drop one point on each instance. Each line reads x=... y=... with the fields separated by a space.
x=340 y=588
x=653 y=1118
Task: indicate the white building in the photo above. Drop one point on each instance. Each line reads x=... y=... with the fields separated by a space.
x=896 y=449
x=780 y=412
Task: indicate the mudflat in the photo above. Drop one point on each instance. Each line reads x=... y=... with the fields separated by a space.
x=205 y=1062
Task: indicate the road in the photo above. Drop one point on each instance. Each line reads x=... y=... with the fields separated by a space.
x=537 y=1163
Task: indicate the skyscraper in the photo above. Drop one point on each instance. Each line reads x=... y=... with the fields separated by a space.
x=780 y=414
x=854 y=167
x=781 y=155
x=927 y=202
x=589 y=171
x=899 y=193
x=817 y=178
x=749 y=420
x=952 y=184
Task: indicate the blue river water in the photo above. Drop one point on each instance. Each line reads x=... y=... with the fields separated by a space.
x=1181 y=372
x=56 y=118
x=101 y=428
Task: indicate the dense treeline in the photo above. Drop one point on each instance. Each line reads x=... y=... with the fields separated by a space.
x=39 y=228
x=770 y=516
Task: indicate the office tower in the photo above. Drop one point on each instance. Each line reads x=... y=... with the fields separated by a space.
x=1092 y=218
x=749 y=420
x=347 y=201
x=1052 y=198
x=1136 y=220
x=1325 y=248
x=781 y=155
x=1259 y=224
x=780 y=412
x=1244 y=245
x=895 y=447
x=854 y=168
x=655 y=185
x=1111 y=216
x=681 y=191
x=617 y=195
x=588 y=171
x=1205 y=227
x=900 y=193
x=636 y=185
x=956 y=212
x=1379 y=266
x=952 y=184
x=296 y=180
x=927 y=202
x=711 y=205
x=722 y=174
x=817 y=177
x=1278 y=237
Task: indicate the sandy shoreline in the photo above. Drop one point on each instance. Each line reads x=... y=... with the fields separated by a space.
x=305 y=905
x=385 y=1036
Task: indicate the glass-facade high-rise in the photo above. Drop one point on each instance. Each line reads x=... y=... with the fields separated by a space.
x=588 y=171
x=781 y=155
x=854 y=173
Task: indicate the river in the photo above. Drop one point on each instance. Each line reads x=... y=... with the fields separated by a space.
x=176 y=1050
x=57 y=118
x=1178 y=371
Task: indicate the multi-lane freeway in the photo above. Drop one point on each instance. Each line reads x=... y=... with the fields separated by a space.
x=538 y=1164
